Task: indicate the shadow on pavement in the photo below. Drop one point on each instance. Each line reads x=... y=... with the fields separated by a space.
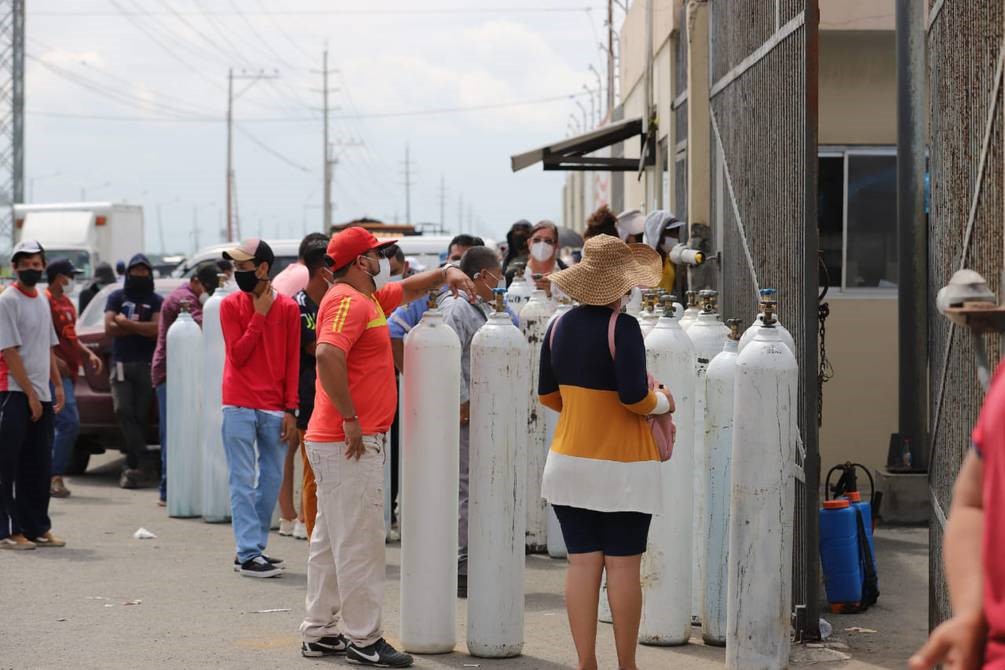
x=544 y=602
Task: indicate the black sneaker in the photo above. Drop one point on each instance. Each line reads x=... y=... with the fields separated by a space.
x=131 y=478
x=259 y=567
x=378 y=655
x=331 y=645
x=462 y=586
x=274 y=562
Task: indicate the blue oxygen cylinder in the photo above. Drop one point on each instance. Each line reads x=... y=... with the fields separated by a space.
x=839 y=555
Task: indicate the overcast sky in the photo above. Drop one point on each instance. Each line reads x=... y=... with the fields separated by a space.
x=126 y=99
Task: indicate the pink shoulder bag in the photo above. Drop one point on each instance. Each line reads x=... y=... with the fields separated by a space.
x=662 y=426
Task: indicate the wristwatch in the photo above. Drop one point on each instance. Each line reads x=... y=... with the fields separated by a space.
x=350 y=419
x=292 y=412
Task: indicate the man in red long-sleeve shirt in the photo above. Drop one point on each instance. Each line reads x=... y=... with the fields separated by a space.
x=261 y=330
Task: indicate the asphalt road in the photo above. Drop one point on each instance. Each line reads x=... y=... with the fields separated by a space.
x=110 y=601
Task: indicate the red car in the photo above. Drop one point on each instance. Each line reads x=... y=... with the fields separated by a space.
x=99 y=429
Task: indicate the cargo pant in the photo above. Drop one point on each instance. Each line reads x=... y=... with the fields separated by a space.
x=132 y=396
x=345 y=568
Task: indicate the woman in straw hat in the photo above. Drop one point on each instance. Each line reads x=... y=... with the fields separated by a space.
x=602 y=475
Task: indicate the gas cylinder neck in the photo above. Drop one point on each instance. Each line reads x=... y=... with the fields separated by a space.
x=692 y=299
x=734 y=329
x=500 y=300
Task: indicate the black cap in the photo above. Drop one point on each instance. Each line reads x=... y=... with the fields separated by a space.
x=60 y=266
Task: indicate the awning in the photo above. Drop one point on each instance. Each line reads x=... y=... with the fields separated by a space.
x=570 y=154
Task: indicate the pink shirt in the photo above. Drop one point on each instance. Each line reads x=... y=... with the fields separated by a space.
x=292 y=280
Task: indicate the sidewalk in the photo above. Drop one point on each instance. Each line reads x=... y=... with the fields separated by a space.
x=69 y=607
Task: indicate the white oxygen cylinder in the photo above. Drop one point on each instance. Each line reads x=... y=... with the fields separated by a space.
x=692 y=311
x=497 y=512
x=666 y=565
x=184 y=403
x=708 y=338
x=215 y=486
x=556 y=541
x=759 y=590
x=534 y=323
x=634 y=306
x=785 y=335
x=519 y=293
x=429 y=487
x=718 y=448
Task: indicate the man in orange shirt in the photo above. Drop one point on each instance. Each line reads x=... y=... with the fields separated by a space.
x=346 y=444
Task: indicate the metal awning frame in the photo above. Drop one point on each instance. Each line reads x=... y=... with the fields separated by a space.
x=571 y=154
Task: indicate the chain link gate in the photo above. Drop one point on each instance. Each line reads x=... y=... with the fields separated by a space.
x=763 y=62
x=965 y=58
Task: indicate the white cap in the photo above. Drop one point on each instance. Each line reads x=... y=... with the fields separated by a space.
x=26 y=248
x=631 y=222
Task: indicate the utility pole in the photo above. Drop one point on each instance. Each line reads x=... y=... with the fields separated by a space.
x=326 y=151
x=233 y=224
x=195 y=228
x=160 y=229
x=610 y=58
x=408 y=186
x=443 y=202
x=460 y=213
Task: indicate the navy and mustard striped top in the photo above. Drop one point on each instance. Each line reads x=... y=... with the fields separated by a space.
x=603 y=456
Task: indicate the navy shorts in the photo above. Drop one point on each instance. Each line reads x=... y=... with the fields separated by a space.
x=611 y=533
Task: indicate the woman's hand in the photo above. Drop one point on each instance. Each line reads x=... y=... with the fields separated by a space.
x=666 y=392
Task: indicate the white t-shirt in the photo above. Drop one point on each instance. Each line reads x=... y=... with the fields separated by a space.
x=26 y=323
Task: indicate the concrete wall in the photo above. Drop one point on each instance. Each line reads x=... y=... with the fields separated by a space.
x=860 y=402
x=858 y=88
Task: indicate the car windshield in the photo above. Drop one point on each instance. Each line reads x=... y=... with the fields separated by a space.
x=80 y=259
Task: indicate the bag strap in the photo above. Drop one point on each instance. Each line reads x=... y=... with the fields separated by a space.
x=611 y=325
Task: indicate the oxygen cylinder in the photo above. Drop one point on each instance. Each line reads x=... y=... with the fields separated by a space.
x=184 y=401
x=215 y=487
x=429 y=487
x=762 y=485
x=748 y=335
x=718 y=447
x=666 y=565
x=708 y=338
x=634 y=306
x=496 y=508
x=519 y=293
x=534 y=324
x=692 y=311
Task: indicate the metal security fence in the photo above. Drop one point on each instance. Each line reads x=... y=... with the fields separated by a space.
x=764 y=118
x=965 y=52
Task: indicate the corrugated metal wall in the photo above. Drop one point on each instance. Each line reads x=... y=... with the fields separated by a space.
x=964 y=44
x=765 y=116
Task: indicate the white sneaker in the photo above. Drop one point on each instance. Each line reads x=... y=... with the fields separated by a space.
x=300 y=530
x=286 y=527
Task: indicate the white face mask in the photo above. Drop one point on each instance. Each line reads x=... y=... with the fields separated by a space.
x=203 y=297
x=383 y=274
x=668 y=244
x=541 y=251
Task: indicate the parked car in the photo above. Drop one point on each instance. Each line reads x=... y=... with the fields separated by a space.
x=99 y=429
x=285 y=251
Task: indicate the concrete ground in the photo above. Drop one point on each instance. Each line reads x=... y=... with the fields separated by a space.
x=110 y=601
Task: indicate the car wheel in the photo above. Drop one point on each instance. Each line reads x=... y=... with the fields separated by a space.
x=79 y=459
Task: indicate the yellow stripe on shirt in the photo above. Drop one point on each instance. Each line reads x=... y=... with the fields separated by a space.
x=341 y=313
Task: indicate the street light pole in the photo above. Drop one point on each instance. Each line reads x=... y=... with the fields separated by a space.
x=582 y=108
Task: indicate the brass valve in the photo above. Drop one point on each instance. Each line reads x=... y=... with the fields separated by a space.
x=692 y=298
x=734 y=329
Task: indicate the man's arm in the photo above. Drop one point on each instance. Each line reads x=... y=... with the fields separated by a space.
x=398 y=353
x=240 y=343
x=57 y=383
x=960 y=640
x=12 y=357
x=418 y=285
x=114 y=326
x=334 y=376
x=293 y=358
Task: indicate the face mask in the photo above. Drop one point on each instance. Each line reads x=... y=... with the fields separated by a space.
x=29 y=277
x=203 y=297
x=246 y=280
x=138 y=285
x=668 y=244
x=541 y=251
x=383 y=274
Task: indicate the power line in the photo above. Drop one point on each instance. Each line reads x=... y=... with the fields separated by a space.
x=273 y=152
x=396 y=11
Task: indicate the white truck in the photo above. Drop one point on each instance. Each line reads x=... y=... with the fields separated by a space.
x=85 y=232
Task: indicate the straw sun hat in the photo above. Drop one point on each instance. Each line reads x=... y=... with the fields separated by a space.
x=609 y=269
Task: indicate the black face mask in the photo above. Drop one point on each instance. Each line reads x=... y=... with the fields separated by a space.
x=138 y=286
x=29 y=277
x=246 y=280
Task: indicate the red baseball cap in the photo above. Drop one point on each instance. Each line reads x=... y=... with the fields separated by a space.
x=348 y=245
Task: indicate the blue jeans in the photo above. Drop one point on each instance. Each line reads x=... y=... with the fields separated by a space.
x=67 y=427
x=252 y=498
x=162 y=424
